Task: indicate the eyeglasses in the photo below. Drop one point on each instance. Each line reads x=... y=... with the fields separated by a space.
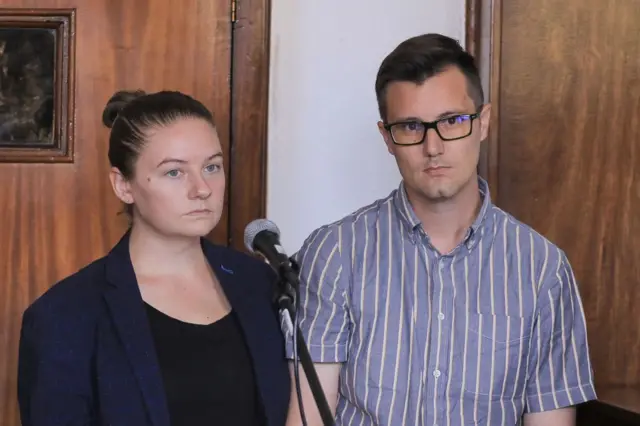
x=413 y=132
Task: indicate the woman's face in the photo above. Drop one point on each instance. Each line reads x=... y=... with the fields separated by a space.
x=178 y=185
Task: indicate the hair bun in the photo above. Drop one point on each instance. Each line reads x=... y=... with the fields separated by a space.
x=117 y=103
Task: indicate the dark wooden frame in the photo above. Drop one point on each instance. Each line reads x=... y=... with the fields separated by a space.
x=483 y=26
x=63 y=21
x=249 y=116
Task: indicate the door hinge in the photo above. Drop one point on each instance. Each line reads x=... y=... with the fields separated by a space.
x=234 y=7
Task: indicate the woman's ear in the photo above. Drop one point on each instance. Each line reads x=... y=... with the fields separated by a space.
x=121 y=186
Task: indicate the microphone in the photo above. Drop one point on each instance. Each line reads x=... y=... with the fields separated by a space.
x=263 y=237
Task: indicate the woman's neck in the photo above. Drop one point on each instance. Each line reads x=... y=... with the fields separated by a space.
x=154 y=254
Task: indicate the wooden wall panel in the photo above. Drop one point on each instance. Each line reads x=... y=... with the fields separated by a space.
x=564 y=150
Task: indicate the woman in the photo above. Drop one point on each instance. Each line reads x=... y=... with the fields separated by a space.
x=167 y=329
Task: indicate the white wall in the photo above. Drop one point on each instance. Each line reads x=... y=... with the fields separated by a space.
x=326 y=157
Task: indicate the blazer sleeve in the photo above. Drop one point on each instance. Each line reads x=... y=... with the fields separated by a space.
x=54 y=380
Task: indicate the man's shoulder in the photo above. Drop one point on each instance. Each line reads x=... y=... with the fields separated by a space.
x=531 y=246
x=528 y=236
x=340 y=232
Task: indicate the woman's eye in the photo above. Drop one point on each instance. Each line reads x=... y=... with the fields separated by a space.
x=173 y=173
x=212 y=168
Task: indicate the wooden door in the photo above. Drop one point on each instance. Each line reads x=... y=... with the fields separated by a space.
x=58 y=210
x=564 y=151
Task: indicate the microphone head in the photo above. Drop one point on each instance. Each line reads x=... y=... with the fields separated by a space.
x=254 y=228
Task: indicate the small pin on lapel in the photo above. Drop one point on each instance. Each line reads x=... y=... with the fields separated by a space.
x=228 y=271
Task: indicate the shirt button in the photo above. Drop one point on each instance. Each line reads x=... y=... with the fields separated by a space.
x=440 y=316
x=436 y=373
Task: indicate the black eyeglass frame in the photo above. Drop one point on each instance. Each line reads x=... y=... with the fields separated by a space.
x=432 y=125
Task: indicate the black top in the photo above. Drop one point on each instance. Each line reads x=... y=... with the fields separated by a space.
x=206 y=370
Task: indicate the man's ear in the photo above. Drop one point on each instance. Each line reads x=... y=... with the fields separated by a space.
x=485 y=120
x=387 y=137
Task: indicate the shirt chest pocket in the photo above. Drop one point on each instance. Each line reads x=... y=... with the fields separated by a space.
x=494 y=352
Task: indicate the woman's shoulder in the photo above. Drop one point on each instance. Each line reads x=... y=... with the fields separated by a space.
x=73 y=298
x=58 y=333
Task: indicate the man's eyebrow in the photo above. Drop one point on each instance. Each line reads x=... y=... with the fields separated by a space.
x=452 y=112
x=447 y=113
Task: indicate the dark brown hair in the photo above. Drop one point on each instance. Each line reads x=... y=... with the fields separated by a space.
x=421 y=57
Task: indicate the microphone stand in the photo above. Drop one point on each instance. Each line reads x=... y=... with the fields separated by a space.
x=287 y=298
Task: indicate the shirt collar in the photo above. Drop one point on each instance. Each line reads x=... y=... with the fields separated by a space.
x=485 y=196
x=412 y=223
x=404 y=208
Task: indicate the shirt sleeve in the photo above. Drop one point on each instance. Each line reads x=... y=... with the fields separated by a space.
x=323 y=314
x=560 y=372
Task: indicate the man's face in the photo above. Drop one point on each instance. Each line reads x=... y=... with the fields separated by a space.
x=435 y=170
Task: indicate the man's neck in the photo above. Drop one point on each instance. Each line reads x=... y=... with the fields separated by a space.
x=447 y=222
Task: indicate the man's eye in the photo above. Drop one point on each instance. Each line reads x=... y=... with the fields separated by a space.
x=411 y=127
x=456 y=119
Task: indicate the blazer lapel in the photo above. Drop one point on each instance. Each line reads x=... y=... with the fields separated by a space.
x=128 y=314
x=239 y=289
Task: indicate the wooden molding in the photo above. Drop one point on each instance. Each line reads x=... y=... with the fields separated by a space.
x=483 y=30
x=249 y=117
x=472 y=26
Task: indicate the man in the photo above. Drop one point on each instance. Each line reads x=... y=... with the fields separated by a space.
x=432 y=306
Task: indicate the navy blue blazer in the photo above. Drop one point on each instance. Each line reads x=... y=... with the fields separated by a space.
x=87 y=356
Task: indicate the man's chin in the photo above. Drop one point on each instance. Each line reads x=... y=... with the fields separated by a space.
x=439 y=193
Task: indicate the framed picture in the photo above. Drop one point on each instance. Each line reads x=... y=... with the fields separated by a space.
x=37 y=49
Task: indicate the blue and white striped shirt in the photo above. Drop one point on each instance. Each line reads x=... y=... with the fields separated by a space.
x=478 y=336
